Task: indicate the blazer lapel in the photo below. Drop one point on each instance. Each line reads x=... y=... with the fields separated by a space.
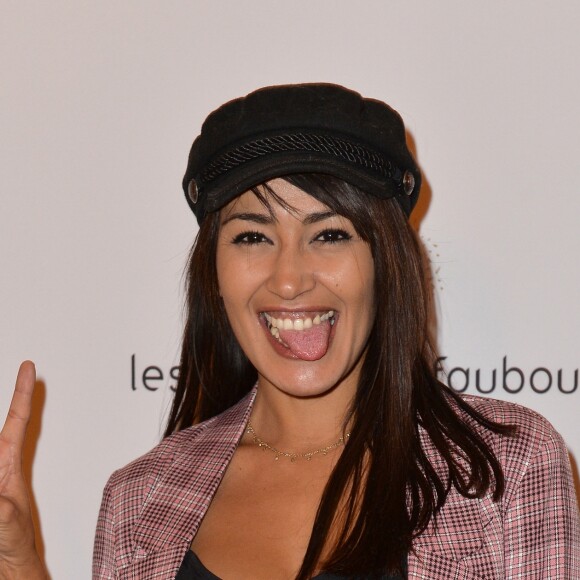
x=450 y=545
x=178 y=502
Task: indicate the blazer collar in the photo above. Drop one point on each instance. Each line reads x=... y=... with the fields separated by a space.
x=179 y=499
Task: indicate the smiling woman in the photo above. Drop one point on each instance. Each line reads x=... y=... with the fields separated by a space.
x=309 y=435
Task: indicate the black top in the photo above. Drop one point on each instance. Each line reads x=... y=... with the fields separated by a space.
x=193 y=569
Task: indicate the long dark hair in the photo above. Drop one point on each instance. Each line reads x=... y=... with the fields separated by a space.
x=384 y=490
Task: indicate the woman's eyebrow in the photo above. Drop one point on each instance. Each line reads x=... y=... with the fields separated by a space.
x=264 y=219
x=258 y=218
x=318 y=216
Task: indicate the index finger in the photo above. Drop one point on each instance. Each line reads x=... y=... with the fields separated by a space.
x=14 y=428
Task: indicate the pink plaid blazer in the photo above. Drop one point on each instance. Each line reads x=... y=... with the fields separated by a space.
x=153 y=507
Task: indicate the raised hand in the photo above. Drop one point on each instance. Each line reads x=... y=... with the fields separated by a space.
x=18 y=555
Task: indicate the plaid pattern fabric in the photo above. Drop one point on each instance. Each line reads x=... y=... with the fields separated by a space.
x=153 y=507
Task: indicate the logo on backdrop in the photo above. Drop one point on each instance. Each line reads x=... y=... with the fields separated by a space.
x=509 y=378
x=149 y=377
x=505 y=377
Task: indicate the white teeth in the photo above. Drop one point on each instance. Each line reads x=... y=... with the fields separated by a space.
x=326 y=316
x=277 y=324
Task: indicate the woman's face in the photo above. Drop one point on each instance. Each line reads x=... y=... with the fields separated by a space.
x=298 y=289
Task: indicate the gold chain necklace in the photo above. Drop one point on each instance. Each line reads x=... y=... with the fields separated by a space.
x=294 y=456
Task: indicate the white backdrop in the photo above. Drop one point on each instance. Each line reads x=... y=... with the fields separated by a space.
x=99 y=104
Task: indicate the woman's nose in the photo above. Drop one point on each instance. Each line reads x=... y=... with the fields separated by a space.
x=292 y=274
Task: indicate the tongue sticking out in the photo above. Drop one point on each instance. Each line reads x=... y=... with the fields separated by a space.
x=310 y=344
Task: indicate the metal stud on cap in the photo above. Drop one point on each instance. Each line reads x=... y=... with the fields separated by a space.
x=408 y=182
x=192 y=191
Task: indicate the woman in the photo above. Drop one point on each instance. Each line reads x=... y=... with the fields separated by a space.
x=309 y=436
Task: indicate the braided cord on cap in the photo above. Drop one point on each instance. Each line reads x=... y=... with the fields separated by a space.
x=335 y=146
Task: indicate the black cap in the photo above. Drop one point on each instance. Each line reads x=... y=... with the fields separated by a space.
x=307 y=128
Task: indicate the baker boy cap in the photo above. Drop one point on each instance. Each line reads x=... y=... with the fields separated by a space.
x=306 y=128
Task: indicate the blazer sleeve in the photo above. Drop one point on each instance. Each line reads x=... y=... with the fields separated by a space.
x=542 y=530
x=104 y=547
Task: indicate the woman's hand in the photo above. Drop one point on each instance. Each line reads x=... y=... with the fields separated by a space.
x=18 y=555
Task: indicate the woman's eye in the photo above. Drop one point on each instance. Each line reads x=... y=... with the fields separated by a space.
x=332 y=236
x=250 y=238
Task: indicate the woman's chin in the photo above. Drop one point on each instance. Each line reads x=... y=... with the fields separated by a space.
x=305 y=379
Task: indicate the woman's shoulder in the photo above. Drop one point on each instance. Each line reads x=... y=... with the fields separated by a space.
x=531 y=431
x=216 y=435
x=509 y=413
x=534 y=441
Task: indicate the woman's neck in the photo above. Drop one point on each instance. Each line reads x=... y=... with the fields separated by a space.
x=299 y=424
